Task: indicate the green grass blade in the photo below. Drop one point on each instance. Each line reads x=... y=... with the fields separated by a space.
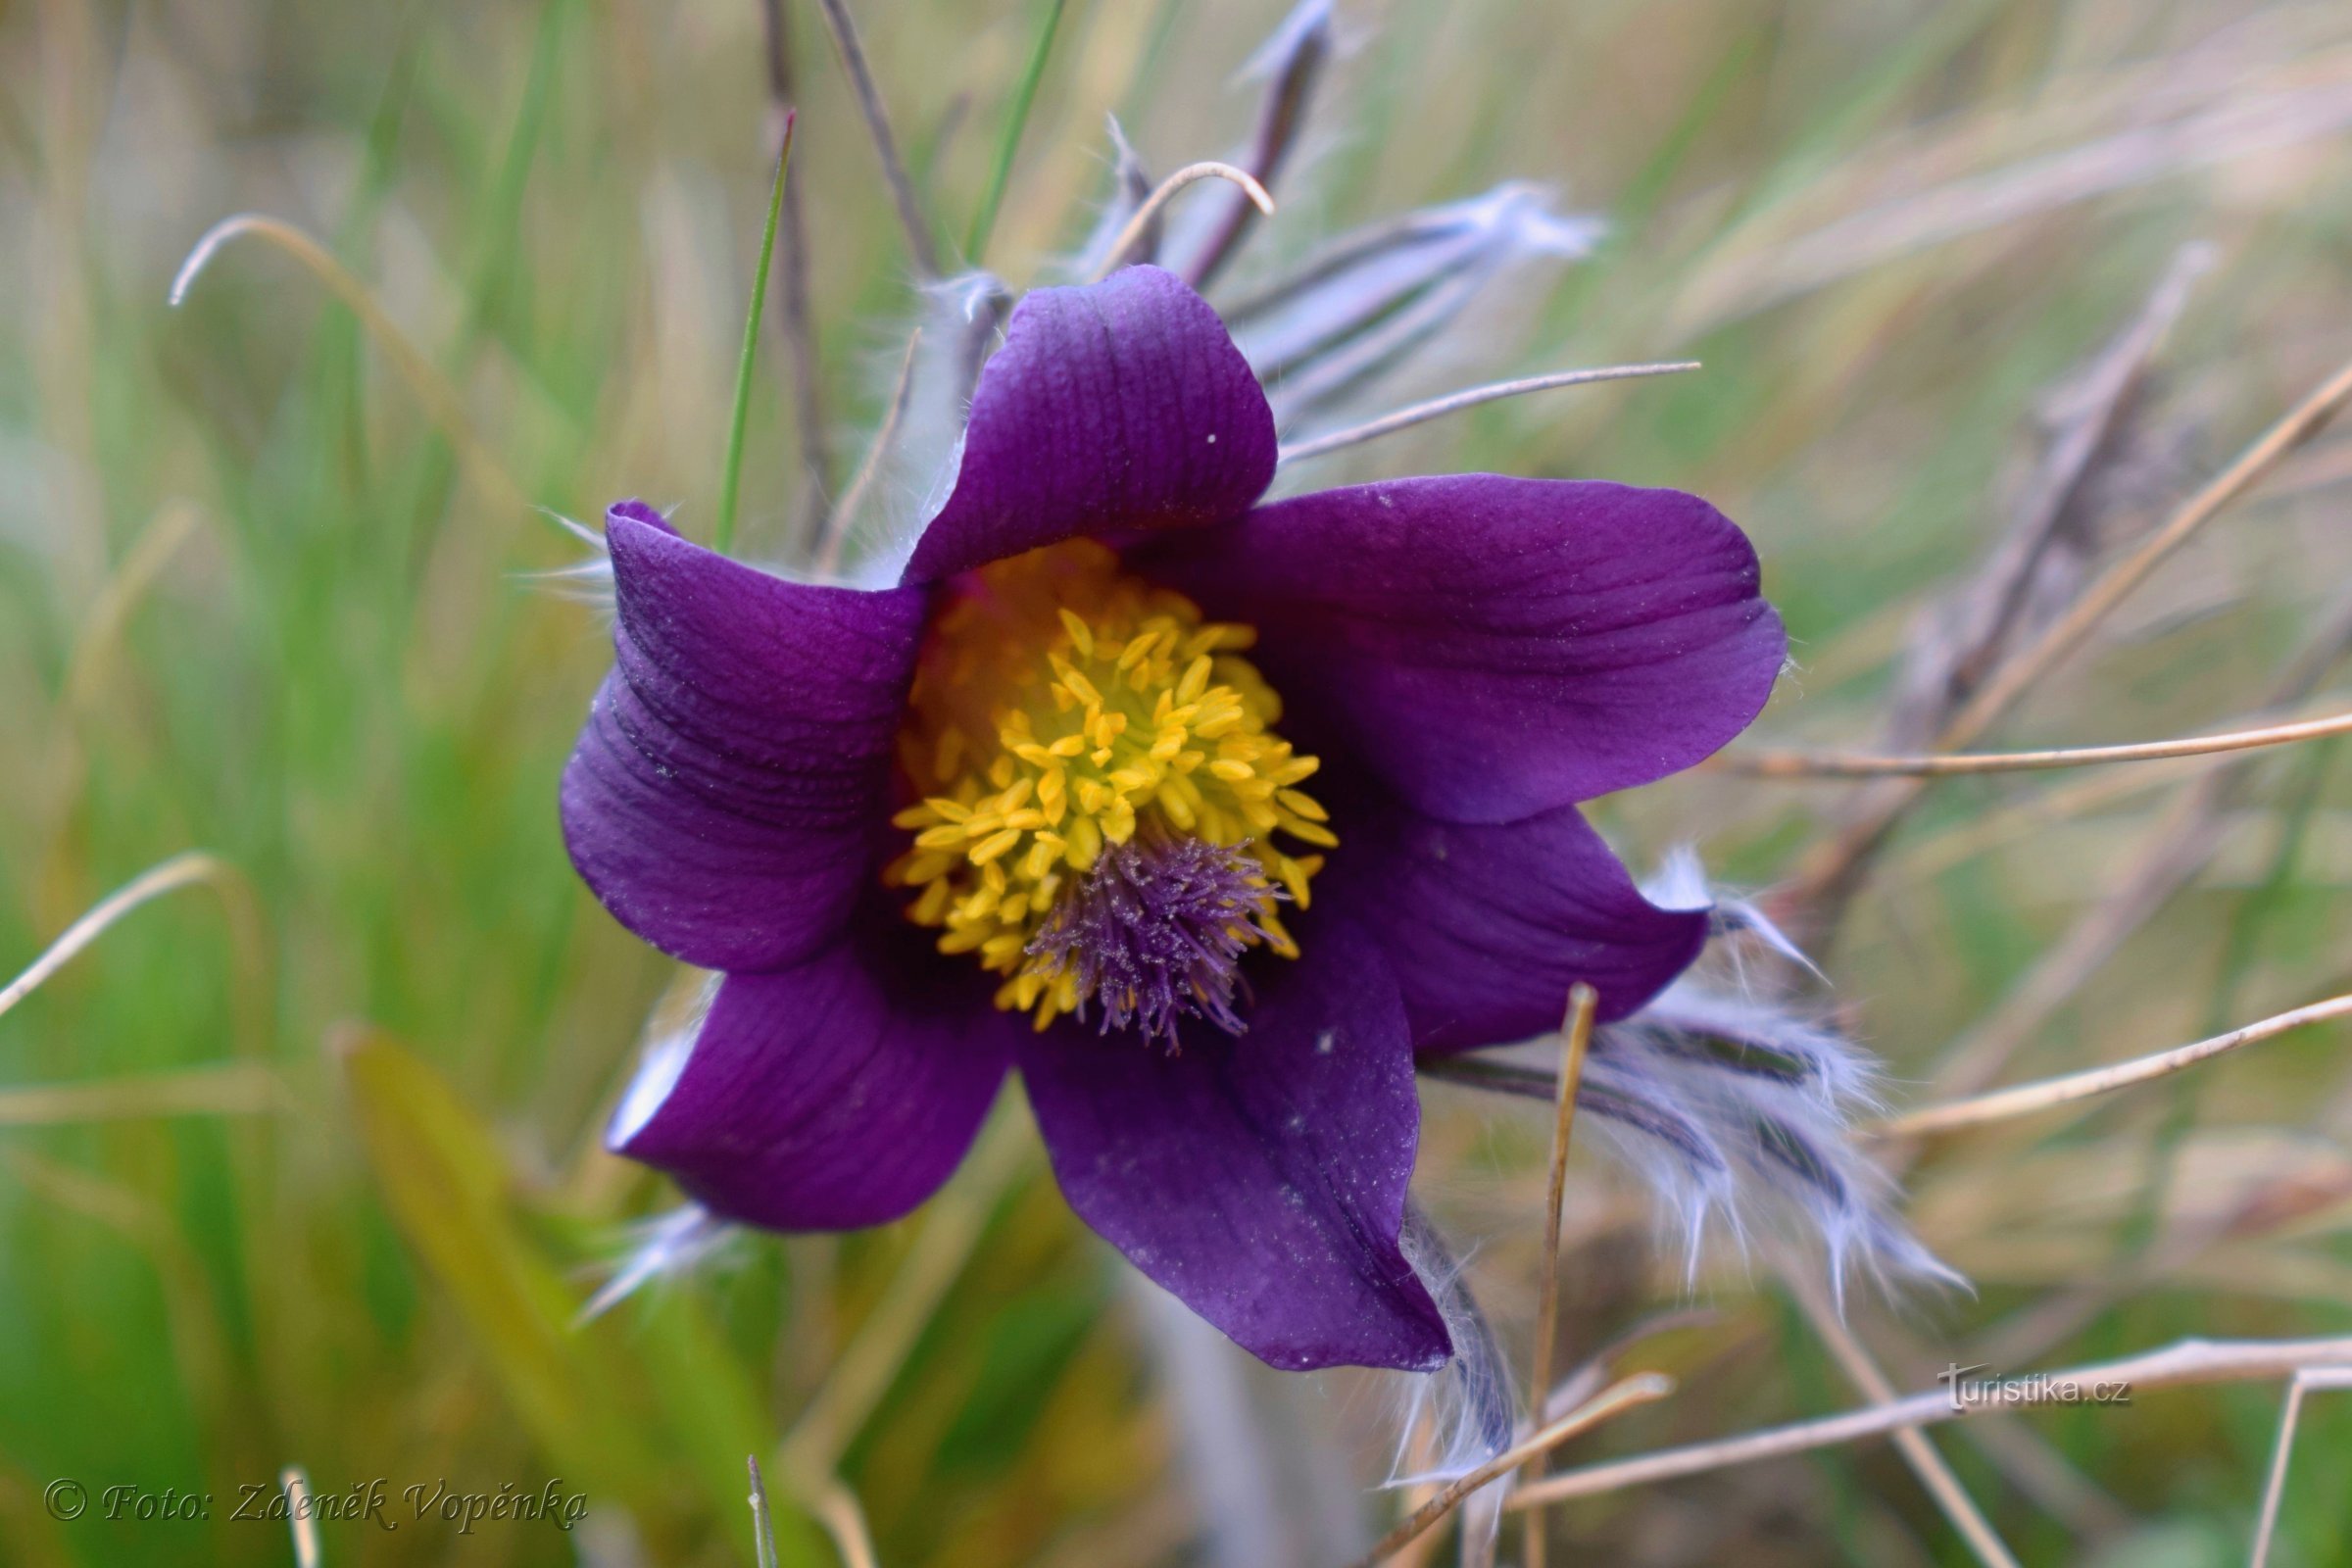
x=984 y=221
x=763 y=1532
x=731 y=482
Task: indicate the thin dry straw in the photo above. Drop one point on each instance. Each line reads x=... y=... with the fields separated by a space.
x=862 y=1373
x=1806 y=764
x=885 y=145
x=1454 y=402
x=174 y=524
x=792 y=285
x=2191 y=1362
x=2305 y=420
x=440 y=399
x=230 y=1089
x=731 y=478
x=1141 y=222
x=1280 y=120
x=297 y=1488
x=1918 y=1452
x=1576 y=1038
x=836 y=1508
x=837 y=528
x=1829 y=866
x=1643 y=1388
x=2275 y=1489
x=177 y=873
x=2027 y=1098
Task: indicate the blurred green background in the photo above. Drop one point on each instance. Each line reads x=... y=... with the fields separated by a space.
x=300 y=1165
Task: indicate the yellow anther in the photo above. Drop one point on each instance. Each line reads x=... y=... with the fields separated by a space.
x=994 y=844
x=1066 y=708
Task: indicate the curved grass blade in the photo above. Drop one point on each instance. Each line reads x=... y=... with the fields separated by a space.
x=731 y=481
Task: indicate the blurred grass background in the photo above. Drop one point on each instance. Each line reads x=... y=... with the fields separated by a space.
x=303 y=1166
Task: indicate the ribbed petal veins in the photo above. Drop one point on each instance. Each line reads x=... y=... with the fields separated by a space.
x=725 y=797
x=1260 y=1178
x=836 y=1093
x=1118 y=407
x=1491 y=647
x=1486 y=927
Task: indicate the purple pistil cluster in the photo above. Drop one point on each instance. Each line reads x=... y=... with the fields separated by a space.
x=1156 y=930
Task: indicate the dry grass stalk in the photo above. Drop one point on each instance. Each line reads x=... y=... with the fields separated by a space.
x=1917 y=1451
x=430 y=388
x=1643 y=1388
x=2027 y=1098
x=2017 y=677
x=2189 y=1361
x=1576 y=1038
x=1805 y=764
x=1148 y=213
x=1454 y=402
x=919 y=244
x=231 y=1089
x=179 y=871
x=2181 y=842
x=792 y=287
x=835 y=531
x=297 y=1488
x=864 y=1370
x=2275 y=1489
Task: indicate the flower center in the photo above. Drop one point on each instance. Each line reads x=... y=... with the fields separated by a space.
x=1100 y=789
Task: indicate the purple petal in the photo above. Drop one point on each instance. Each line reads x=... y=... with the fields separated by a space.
x=1494 y=647
x=1116 y=407
x=829 y=1096
x=723 y=798
x=1486 y=927
x=1261 y=1178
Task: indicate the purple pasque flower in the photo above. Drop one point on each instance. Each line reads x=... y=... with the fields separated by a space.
x=1203 y=815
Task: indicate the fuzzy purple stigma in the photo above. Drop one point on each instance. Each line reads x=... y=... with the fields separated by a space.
x=1156 y=930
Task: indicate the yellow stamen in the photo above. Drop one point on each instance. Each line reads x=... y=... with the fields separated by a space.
x=1062 y=706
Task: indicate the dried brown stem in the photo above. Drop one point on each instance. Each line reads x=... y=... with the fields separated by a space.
x=864 y=1370
x=441 y=402
x=1643 y=1388
x=1144 y=215
x=2191 y=1362
x=177 y=873
x=296 y=1485
x=1279 y=122
x=1807 y=765
x=2027 y=1098
x=1917 y=1451
x=919 y=244
x=1576 y=1038
x=2178 y=845
x=1834 y=868
x=1454 y=402
x=2018 y=675
x=791 y=290
x=2275 y=1489
x=2106 y=397
x=837 y=527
